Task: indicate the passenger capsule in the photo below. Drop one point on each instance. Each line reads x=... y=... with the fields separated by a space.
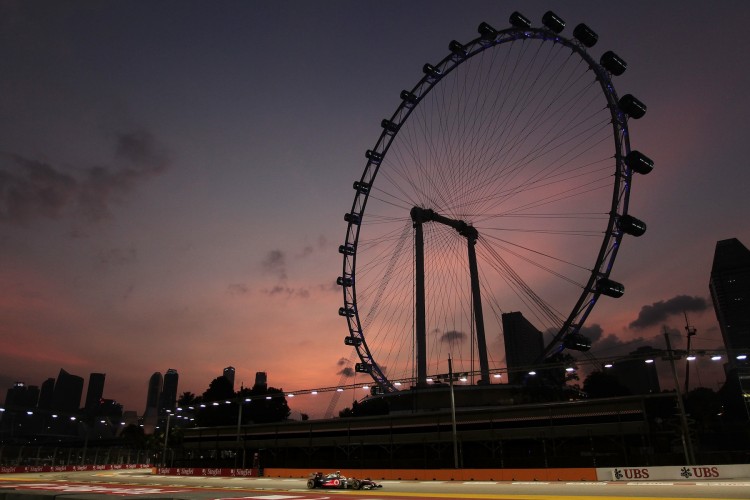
x=362 y=187
x=347 y=249
x=553 y=22
x=613 y=63
x=632 y=226
x=373 y=156
x=632 y=106
x=353 y=341
x=430 y=70
x=487 y=32
x=353 y=218
x=610 y=288
x=518 y=20
x=457 y=48
x=345 y=281
x=638 y=162
x=408 y=97
x=362 y=368
x=346 y=311
x=577 y=342
x=585 y=35
x=389 y=126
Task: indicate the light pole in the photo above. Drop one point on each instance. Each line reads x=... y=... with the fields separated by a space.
x=166 y=439
x=690 y=330
x=240 y=403
x=453 y=413
x=687 y=443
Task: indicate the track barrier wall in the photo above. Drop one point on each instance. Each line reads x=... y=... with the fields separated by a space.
x=582 y=474
x=674 y=473
x=669 y=473
x=69 y=468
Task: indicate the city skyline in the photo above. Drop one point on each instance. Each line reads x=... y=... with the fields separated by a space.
x=173 y=178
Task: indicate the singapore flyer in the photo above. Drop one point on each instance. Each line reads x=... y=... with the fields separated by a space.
x=500 y=184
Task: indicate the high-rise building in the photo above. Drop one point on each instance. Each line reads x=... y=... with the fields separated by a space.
x=261 y=381
x=22 y=396
x=229 y=375
x=46 y=394
x=730 y=291
x=95 y=390
x=169 y=392
x=68 y=392
x=523 y=345
x=637 y=375
x=153 y=397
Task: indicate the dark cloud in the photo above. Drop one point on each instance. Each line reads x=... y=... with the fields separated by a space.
x=32 y=189
x=593 y=332
x=289 y=292
x=307 y=250
x=141 y=150
x=118 y=256
x=453 y=336
x=238 y=289
x=660 y=311
x=346 y=372
x=612 y=345
x=275 y=263
x=342 y=361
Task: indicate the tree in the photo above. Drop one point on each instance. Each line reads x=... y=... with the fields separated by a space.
x=267 y=405
x=556 y=375
x=133 y=437
x=604 y=385
x=219 y=389
x=704 y=405
x=187 y=399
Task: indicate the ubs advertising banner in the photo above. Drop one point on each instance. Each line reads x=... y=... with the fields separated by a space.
x=674 y=473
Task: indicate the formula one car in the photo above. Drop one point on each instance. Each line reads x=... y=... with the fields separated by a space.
x=336 y=480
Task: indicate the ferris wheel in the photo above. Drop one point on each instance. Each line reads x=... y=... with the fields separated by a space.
x=500 y=184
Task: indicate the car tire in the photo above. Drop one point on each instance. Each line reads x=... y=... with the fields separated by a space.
x=311 y=484
x=356 y=484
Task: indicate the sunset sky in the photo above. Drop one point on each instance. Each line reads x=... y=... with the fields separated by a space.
x=174 y=175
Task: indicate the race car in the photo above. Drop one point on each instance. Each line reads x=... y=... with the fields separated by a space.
x=336 y=480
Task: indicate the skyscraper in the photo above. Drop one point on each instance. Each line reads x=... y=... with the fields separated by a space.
x=22 y=396
x=46 y=394
x=95 y=390
x=68 y=392
x=730 y=290
x=169 y=392
x=523 y=345
x=635 y=374
x=229 y=375
x=261 y=381
x=154 y=394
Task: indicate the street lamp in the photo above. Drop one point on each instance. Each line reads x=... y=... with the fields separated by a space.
x=453 y=413
x=240 y=403
x=166 y=438
x=686 y=441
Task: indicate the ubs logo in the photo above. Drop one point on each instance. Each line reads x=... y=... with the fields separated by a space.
x=631 y=474
x=706 y=472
